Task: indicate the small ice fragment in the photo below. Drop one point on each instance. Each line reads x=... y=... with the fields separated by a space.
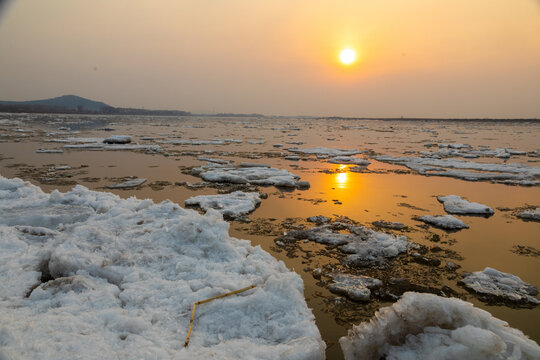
x=456 y=205
x=118 y=139
x=530 y=214
x=127 y=184
x=446 y=222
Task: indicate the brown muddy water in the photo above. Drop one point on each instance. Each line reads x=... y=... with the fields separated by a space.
x=379 y=192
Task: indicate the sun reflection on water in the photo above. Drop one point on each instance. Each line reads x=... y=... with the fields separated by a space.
x=341 y=180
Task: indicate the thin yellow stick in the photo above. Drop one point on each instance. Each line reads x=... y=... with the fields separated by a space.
x=208 y=300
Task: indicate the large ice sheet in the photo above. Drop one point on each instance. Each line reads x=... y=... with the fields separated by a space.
x=427 y=326
x=112 y=278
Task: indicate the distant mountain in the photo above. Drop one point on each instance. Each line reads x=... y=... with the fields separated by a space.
x=71 y=102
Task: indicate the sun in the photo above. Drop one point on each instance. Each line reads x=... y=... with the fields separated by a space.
x=347 y=56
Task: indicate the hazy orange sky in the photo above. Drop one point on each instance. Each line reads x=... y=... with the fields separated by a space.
x=417 y=58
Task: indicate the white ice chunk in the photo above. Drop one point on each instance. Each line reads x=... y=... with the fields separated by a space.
x=456 y=205
x=530 y=214
x=119 y=283
x=501 y=285
x=232 y=205
x=251 y=175
x=447 y=222
x=427 y=326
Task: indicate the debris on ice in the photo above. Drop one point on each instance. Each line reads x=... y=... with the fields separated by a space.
x=232 y=205
x=497 y=284
x=454 y=204
x=427 y=326
x=446 y=222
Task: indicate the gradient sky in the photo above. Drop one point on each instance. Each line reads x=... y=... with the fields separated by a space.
x=417 y=58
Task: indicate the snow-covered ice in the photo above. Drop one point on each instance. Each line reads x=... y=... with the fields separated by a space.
x=248 y=175
x=456 y=205
x=447 y=222
x=127 y=184
x=512 y=173
x=500 y=285
x=533 y=214
x=355 y=287
x=113 y=278
x=232 y=205
x=427 y=326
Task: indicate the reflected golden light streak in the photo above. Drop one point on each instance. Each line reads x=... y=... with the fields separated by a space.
x=341 y=180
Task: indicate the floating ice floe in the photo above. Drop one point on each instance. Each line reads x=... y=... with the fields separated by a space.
x=533 y=214
x=456 y=205
x=214 y=160
x=500 y=285
x=232 y=205
x=390 y=225
x=49 y=151
x=250 y=175
x=355 y=287
x=446 y=222
x=199 y=142
x=118 y=139
x=427 y=326
x=115 y=278
x=513 y=173
x=325 y=151
x=127 y=184
x=349 y=160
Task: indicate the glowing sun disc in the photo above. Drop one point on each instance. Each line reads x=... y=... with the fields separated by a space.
x=347 y=56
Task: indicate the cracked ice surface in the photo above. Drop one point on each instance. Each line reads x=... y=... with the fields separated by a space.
x=501 y=285
x=123 y=275
x=427 y=326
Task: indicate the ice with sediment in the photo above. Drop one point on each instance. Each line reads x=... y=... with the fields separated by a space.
x=123 y=275
x=446 y=222
x=512 y=173
x=533 y=214
x=427 y=326
x=355 y=287
x=127 y=184
x=232 y=205
x=456 y=205
x=249 y=175
x=325 y=151
x=370 y=247
x=501 y=285
x=349 y=160
x=118 y=139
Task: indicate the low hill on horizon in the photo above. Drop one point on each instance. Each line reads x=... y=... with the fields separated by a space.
x=69 y=104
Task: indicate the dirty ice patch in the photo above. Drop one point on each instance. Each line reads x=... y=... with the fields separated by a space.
x=127 y=184
x=427 y=326
x=118 y=139
x=454 y=204
x=355 y=287
x=231 y=205
x=446 y=222
x=325 y=151
x=500 y=285
x=349 y=160
x=533 y=214
x=120 y=281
